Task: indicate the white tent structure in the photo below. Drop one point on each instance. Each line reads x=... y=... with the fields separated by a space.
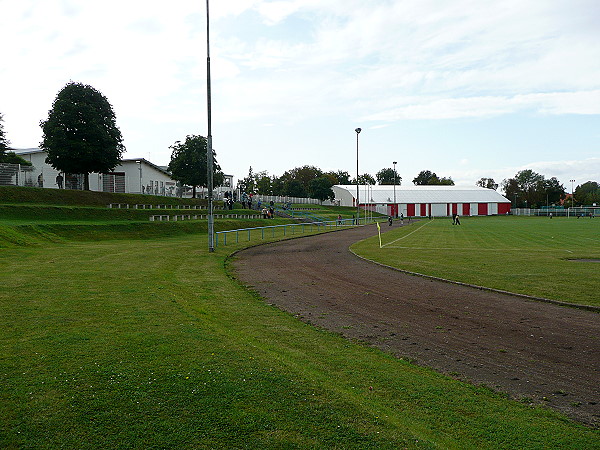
x=423 y=201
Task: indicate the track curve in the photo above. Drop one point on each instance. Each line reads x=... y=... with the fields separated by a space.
x=528 y=349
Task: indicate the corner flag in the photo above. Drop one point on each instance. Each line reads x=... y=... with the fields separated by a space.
x=379 y=231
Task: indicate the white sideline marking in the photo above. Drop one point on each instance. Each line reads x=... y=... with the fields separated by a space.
x=482 y=249
x=403 y=237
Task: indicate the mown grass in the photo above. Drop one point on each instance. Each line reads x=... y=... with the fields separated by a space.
x=528 y=255
x=149 y=343
x=133 y=335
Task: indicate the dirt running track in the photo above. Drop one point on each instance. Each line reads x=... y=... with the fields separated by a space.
x=528 y=349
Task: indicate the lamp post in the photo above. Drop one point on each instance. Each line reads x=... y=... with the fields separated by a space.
x=572 y=193
x=209 y=151
x=395 y=206
x=358 y=130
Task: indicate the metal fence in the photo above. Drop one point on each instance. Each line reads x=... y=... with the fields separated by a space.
x=577 y=211
x=278 y=231
x=16 y=175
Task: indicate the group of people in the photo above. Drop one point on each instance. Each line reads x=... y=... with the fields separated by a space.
x=455 y=219
x=268 y=213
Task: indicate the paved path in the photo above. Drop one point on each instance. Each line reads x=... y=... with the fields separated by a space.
x=528 y=349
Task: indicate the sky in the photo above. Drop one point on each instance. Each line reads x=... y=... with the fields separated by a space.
x=464 y=88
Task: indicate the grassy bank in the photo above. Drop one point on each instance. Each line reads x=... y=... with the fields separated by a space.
x=40 y=196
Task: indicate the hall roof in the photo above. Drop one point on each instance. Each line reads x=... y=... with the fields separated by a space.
x=425 y=194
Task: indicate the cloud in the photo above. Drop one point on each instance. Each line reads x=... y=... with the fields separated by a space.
x=581 y=170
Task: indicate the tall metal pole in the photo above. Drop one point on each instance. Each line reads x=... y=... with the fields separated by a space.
x=572 y=193
x=358 y=130
x=395 y=206
x=209 y=151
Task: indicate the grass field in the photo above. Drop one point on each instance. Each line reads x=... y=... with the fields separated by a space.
x=529 y=255
x=146 y=342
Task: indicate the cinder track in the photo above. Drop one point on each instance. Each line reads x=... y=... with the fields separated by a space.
x=527 y=349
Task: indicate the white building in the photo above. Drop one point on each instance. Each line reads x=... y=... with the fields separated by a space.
x=423 y=201
x=132 y=176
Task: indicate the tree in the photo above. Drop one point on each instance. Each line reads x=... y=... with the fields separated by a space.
x=3 y=140
x=303 y=175
x=587 y=193
x=442 y=181
x=188 y=163
x=294 y=188
x=340 y=177
x=81 y=134
x=277 y=185
x=263 y=183
x=487 y=183
x=247 y=184
x=365 y=178
x=423 y=178
x=388 y=176
x=527 y=189
x=427 y=177
x=320 y=188
x=555 y=192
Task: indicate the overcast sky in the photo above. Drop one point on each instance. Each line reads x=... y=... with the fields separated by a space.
x=464 y=88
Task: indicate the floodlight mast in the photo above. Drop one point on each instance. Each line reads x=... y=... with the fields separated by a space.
x=358 y=130
x=209 y=151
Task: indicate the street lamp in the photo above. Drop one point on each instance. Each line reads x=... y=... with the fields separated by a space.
x=209 y=151
x=572 y=193
x=358 y=130
x=395 y=206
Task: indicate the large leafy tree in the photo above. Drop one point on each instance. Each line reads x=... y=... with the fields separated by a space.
x=294 y=188
x=531 y=189
x=188 y=163
x=423 y=177
x=263 y=183
x=388 y=176
x=320 y=188
x=555 y=192
x=587 y=193
x=302 y=175
x=81 y=133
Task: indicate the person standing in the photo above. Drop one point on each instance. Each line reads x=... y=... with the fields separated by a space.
x=456 y=220
x=59 y=181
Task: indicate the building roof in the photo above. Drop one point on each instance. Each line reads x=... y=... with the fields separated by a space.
x=424 y=194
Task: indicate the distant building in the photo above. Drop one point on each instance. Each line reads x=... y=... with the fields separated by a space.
x=423 y=201
x=131 y=176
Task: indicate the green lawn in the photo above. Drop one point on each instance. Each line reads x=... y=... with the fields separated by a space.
x=148 y=342
x=528 y=255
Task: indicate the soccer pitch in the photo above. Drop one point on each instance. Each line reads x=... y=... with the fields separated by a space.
x=539 y=256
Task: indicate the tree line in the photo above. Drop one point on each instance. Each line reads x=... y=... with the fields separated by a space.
x=81 y=136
